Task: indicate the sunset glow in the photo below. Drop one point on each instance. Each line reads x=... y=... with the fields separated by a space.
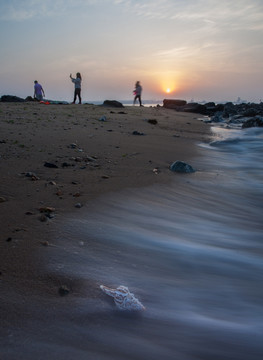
x=208 y=61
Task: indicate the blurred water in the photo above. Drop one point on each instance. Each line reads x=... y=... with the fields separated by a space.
x=191 y=251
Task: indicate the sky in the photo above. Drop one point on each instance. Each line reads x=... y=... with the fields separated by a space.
x=201 y=50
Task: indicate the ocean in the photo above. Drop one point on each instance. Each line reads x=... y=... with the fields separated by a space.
x=191 y=252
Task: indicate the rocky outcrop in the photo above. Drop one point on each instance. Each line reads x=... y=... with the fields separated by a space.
x=11 y=98
x=113 y=103
x=249 y=115
x=173 y=104
x=257 y=121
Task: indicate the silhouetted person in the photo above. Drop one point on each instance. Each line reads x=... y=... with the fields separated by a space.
x=38 y=91
x=137 y=92
x=77 y=83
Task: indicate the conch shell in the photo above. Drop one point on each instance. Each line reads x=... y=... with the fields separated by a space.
x=123 y=299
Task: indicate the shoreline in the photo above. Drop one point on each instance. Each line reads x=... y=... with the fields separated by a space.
x=94 y=152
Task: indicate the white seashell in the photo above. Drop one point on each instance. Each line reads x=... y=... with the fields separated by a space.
x=123 y=299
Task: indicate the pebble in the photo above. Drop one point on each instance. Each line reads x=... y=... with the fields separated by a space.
x=63 y=290
x=78 y=205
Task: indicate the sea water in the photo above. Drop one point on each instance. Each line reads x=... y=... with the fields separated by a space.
x=191 y=251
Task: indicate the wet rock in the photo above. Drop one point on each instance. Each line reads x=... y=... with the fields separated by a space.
x=181 y=167
x=103 y=118
x=254 y=122
x=113 y=103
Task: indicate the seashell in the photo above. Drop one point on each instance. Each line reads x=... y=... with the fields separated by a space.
x=123 y=299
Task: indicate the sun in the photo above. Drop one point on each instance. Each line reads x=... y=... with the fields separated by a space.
x=168 y=90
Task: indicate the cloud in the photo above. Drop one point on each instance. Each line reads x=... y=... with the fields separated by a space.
x=20 y=10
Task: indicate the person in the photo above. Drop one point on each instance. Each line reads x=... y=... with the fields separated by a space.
x=137 y=92
x=38 y=91
x=77 y=83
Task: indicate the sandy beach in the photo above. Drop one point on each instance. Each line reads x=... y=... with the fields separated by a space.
x=55 y=161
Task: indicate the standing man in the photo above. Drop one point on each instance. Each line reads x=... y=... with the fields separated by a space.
x=77 y=82
x=38 y=91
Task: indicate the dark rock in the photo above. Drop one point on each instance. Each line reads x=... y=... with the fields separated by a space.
x=173 y=104
x=30 y=98
x=65 y=164
x=11 y=98
x=50 y=165
x=63 y=290
x=113 y=103
x=181 y=167
x=195 y=108
x=153 y=121
x=135 y=132
x=250 y=112
x=218 y=117
x=254 y=122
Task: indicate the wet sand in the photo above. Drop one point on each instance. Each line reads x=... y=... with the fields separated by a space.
x=56 y=160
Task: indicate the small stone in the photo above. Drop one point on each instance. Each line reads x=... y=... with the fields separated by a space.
x=43 y=218
x=9 y=239
x=181 y=167
x=135 y=132
x=105 y=177
x=78 y=205
x=50 y=165
x=2 y=199
x=63 y=290
x=44 y=243
x=46 y=209
x=153 y=121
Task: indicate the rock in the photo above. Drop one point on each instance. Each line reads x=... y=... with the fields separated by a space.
x=30 y=98
x=253 y=122
x=113 y=103
x=47 y=209
x=78 y=205
x=152 y=121
x=50 y=165
x=32 y=175
x=195 y=108
x=63 y=290
x=2 y=199
x=11 y=98
x=135 y=132
x=173 y=104
x=103 y=118
x=181 y=167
